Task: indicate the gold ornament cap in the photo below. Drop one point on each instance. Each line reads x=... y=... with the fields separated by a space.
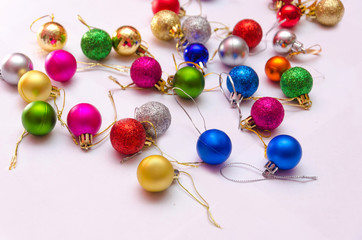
x=126 y=40
x=35 y=86
x=329 y=12
x=52 y=36
x=166 y=25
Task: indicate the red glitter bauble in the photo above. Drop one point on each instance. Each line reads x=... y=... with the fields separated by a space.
x=172 y=5
x=250 y=31
x=128 y=136
x=291 y=14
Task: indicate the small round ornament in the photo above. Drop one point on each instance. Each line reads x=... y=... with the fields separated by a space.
x=288 y=16
x=250 y=31
x=296 y=82
x=267 y=113
x=196 y=53
x=233 y=51
x=60 y=65
x=126 y=40
x=96 y=44
x=214 y=146
x=14 y=66
x=157 y=114
x=155 y=173
x=38 y=118
x=284 y=40
x=277 y=4
x=190 y=80
x=51 y=36
x=166 y=25
x=36 y=86
x=159 y=5
x=196 y=29
x=128 y=136
x=145 y=72
x=275 y=67
x=245 y=81
x=329 y=12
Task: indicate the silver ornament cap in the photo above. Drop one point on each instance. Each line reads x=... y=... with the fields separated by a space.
x=233 y=51
x=156 y=113
x=283 y=41
x=196 y=29
x=14 y=66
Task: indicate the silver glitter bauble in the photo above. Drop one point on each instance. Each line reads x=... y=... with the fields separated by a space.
x=233 y=51
x=156 y=113
x=196 y=29
x=14 y=66
x=283 y=41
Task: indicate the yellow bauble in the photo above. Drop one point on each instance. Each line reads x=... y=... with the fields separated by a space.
x=329 y=12
x=155 y=173
x=34 y=86
x=163 y=23
x=126 y=40
x=52 y=36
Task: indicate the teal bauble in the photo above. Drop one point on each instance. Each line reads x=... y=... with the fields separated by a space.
x=96 y=44
x=296 y=82
x=38 y=118
x=190 y=80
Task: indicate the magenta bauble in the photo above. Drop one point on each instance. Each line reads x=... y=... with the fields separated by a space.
x=84 y=118
x=145 y=72
x=60 y=65
x=267 y=113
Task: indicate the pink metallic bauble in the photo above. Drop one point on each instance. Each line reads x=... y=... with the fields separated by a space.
x=267 y=113
x=145 y=72
x=60 y=65
x=291 y=14
x=84 y=118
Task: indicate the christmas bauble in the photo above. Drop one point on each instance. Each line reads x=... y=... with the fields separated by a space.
x=283 y=41
x=190 y=80
x=196 y=29
x=52 y=36
x=245 y=80
x=38 y=118
x=295 y=82
x=275 y=67
x=34 y=86
x=196 y=53
x=250 y=31
x=60 y=65
x=163 y=23
x=289 y=14
x=159 y=5
x=233 y=51
x=267 y=113
x=329 y=12
x=84 y=118
x=145 y=72
x=96 y=44
x=14 y=66
x=126 y=40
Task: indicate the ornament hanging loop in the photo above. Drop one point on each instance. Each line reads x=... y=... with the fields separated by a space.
x=83 y=22
x=298 y=48
x=14 y=158
x=51 y=16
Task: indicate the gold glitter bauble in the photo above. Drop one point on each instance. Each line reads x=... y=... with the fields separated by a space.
x=52 y=36
x=126 y=40
x=164 y=23
x=329 y=12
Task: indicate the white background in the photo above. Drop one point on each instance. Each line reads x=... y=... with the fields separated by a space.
x=59 y=192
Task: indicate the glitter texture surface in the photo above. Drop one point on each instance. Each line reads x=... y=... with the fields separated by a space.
x=156 y=113
x=267 y=113
x=329 y=12
x=145 y=72
x=295 y=82
x=196 y=29
x=162 y=23
x=250 y=31
x=96 y=44
x=128 y=136
x=245 y=79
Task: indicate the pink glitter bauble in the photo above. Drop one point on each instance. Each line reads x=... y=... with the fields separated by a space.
x=145 y=72
x=60 y=65
x=84 y=118
x=267 y=113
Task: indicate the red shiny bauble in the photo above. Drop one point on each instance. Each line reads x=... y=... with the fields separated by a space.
x=291 y=14
x=128 y=136
x=172 y=5
x=250 y=31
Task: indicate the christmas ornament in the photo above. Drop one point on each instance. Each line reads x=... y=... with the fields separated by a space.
x=60 y=65
x=288 y=16
x=250 y=31
x=190 y=80
x=196 y=29
x=244 y=80
x=96 y=44
x=159 y=5
x=233 y=51
x=51 y=35
x=35 y=85
x=277 y=4
x=329 y=12
x=128 y=136
x=196 y=53
x=14 y=66
x=145 y=72
x=155 y=113
x=275 y=67
x=166 y=25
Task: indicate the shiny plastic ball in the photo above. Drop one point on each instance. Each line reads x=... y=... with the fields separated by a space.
x=290 y=14
x=34 y=86
x=126 y=40
x=196 y=53
x=159 y=5
x=51 y=36
x=190 y=80
x=60 y=65
x=84 y=118
x=233 y=51
x=38 y=118
x=275 y=67
x=14 y=66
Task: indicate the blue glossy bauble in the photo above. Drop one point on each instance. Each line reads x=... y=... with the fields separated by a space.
x=245 y=79
x=285 y=151
x=214 y=146
x=196 y=53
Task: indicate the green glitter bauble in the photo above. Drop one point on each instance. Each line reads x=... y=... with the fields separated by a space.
x=38 y=118
x=190 y=80
x=96 y=44
x=295 y=82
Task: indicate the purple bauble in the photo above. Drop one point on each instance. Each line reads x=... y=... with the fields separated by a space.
x=60 y=65
x=146 y=72
x=267 y=113
x=84 y=118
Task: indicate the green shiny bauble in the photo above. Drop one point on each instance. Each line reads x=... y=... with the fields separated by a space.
x=190 y=80
x=295 y=82
x=96 y=44
x=38 y=118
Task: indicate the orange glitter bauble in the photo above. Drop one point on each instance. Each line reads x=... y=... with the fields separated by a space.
x=275 y=67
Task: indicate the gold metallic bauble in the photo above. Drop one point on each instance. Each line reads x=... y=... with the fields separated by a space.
x=275 y=67
x=52 y=36
x=126 y=40
x=164 y=23
x=155 y=173
x=329 y=12
x=34 y=86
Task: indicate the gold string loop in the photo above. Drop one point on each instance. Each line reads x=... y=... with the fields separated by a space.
x=14 y=158
x=119 y=68
x=249 y=124
x=142 y=50
x=313 y=50
x=51 y=17
x=225 y=28
x=83 y=21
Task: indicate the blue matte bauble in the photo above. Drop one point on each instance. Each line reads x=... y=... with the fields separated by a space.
x=214 y=146
x=196 y=53
x=245 y=79
x=284 y=151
